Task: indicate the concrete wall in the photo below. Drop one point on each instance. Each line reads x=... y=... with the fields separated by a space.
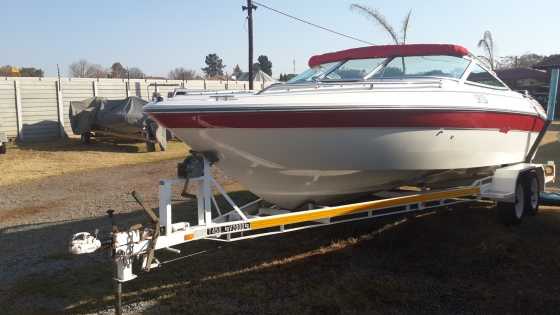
x=36 y=109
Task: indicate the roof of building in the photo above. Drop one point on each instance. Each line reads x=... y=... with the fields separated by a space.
x=259 y=76
x=550 y=62
x=384 y=51
x=514 y=74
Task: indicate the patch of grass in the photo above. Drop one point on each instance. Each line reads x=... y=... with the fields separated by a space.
x=25 y=162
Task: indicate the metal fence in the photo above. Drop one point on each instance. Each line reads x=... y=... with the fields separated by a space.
x=36 y=109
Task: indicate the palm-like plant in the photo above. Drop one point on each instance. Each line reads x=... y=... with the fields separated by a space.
x=375 y=15
x=487 y=43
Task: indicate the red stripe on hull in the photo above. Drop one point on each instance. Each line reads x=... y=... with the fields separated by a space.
x=356 y=118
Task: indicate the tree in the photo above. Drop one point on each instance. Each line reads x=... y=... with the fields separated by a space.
x=181 y=73
x=5 y=71
x=487 y=43
x=79 y=68
x=117 y=70
x=31 y=72
x=286 y=77
x=84 y=69
x=9 y=71
x=135 y=73
x=214 y=66
x=97 y=71
x=237 y=72
x=381 y=20
x=265 y=65
x=256 y=67
x=524 y=61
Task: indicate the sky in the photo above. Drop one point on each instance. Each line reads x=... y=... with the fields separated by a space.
x=158 y=36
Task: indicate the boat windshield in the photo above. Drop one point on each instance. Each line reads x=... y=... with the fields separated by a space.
x=354 y=70
x=312 y=74
x=423 y=66
x=386 y=68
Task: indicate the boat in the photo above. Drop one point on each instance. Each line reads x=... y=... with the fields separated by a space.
x=363 y=120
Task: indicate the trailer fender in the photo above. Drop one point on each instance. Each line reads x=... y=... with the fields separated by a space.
x=504 y=181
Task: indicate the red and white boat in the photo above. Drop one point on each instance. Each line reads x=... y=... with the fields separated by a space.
x=362 y=120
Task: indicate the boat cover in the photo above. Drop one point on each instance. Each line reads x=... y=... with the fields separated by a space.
x=124 y=117
x=384 y=51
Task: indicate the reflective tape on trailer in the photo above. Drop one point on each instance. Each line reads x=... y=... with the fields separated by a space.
x=330 y=212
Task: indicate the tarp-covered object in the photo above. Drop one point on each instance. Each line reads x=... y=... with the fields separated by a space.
x=124 y=117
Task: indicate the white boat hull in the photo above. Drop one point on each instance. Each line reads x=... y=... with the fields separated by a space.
x=292 y=166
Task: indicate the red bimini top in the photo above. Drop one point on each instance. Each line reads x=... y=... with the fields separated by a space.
x=385 y=51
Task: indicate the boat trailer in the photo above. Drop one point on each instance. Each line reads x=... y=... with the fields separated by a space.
x=251 y=220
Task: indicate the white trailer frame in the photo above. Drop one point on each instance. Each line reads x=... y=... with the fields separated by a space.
x=237 y=224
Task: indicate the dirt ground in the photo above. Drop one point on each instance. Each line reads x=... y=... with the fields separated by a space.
x=39 y=160
x=460 y=261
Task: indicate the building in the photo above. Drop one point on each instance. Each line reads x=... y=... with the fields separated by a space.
x=550 y=64
x=258 y=76
x=534 y=81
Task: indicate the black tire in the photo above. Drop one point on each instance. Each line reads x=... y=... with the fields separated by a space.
x=85 y=138
x=512 y=213
x=151 y=147
x=3 y=148
x=532 y=191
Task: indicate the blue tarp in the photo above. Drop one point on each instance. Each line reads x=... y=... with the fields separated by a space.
x=550 y=198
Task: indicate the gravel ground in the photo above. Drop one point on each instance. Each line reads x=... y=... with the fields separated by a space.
x=37 y=218
x=41 y=215
x=460 y=261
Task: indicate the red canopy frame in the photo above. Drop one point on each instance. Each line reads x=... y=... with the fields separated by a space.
x=385 y=51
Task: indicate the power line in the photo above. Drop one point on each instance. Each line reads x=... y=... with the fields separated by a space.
x=312 y=24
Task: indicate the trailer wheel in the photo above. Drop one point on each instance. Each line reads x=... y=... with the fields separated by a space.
x=531 y=182
x=512 y=213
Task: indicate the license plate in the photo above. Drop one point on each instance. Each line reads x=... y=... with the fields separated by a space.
x=232 y=228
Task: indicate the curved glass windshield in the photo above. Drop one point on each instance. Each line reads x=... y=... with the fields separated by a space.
x=356 y=69
x=481 y=76
x=422 y=66
x=379 y=69
x=312 y=74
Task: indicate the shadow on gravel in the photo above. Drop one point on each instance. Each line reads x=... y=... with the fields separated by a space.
x=98 y=144
x=459 y=261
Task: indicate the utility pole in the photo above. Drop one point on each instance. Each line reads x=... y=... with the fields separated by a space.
x=250 y=7
x=58 y=75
